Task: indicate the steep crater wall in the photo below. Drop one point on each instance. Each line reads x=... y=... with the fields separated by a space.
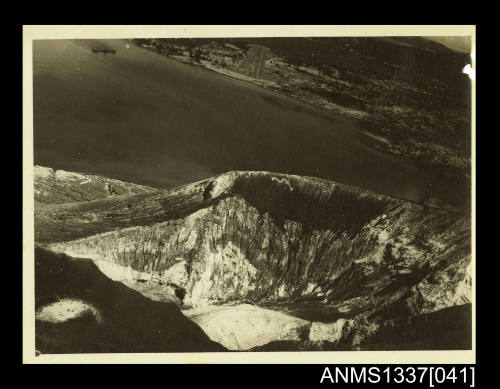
x=268 y=238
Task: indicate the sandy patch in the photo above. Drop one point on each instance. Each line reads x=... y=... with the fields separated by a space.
x=66 y=309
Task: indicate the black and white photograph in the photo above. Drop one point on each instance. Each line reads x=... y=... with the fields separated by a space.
x=236 y=193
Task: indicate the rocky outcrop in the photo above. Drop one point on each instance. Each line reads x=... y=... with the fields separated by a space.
x=60 y=186
x=273 y=239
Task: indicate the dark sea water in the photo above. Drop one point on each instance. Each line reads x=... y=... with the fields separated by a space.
x=144 y=118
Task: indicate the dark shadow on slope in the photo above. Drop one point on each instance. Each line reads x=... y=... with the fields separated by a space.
x=130 y=322
x=311 y=310
x=446 y=329
x=311 y=202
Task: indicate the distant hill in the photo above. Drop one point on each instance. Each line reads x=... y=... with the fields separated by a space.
x=60 y=186
x=458 y=43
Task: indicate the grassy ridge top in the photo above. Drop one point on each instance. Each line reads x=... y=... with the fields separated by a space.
x=314 y=202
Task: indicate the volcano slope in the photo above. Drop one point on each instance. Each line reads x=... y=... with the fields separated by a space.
x=266 y=261
x=80 y=310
